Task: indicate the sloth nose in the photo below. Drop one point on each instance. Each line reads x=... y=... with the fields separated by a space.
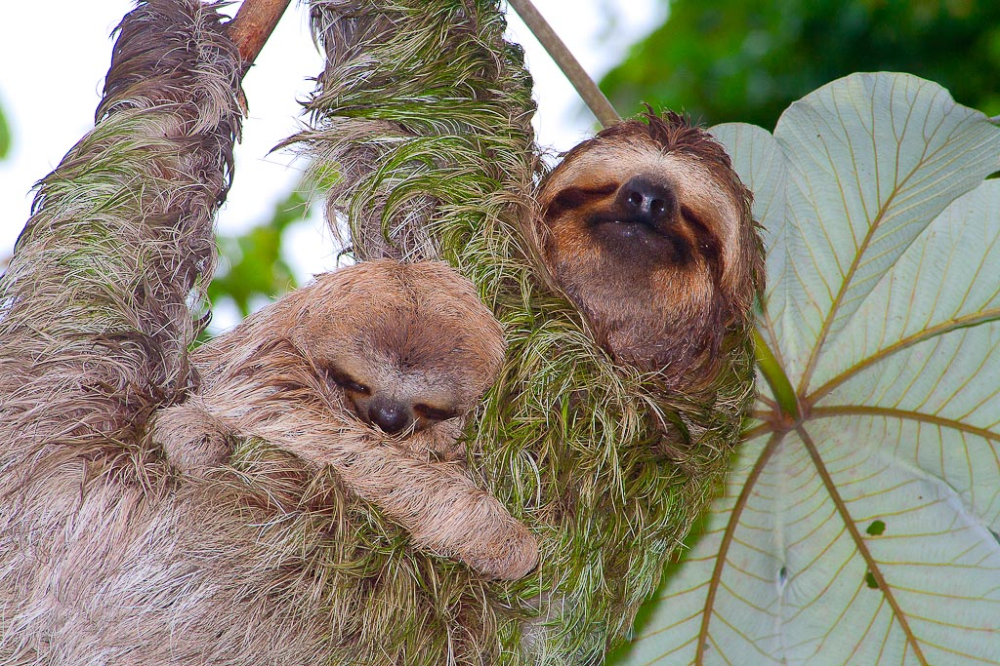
x=646 y=201
x=389 y=415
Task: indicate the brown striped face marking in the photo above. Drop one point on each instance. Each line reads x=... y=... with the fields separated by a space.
x=647 y=229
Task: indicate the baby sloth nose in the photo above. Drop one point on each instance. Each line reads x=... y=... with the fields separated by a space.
x=389 y=415
x=644 y=201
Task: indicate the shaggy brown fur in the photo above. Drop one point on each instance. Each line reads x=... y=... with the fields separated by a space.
x=408 y=348
x=109 y=554
x=647 y=229
x=94 y=327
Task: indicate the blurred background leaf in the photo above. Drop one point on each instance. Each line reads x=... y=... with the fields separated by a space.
x=253 y=269
x=747 y=60
x=250 y=264
x=5 y=140
x=4 y=135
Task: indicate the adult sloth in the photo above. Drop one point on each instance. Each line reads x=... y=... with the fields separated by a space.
x=424 y=110
x=624 y=278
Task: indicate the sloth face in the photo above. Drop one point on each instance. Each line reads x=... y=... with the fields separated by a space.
x=406 y=348
x=410 y=347
x=647 y=229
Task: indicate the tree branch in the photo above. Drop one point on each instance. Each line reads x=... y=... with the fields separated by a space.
x=252 y=25
x=570 y=66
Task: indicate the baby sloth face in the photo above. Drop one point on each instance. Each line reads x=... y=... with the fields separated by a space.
x=647 y=229
x=409 y=347
x=397 y=394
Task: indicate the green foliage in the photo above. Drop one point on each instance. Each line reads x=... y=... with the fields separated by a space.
x=747 y=60
x=251 y=265
x=5 y=138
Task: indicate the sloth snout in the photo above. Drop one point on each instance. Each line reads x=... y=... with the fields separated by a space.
x=646 y=202
x=391 y=416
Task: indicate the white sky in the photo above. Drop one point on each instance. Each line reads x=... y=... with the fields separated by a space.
x=54 y=55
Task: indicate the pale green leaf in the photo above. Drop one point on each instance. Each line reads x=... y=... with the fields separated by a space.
x=866 y=533
x=870 y=160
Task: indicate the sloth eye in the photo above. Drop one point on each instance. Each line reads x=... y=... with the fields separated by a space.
x=694 y=220
x=345 y=382
x=434 y=413
x=707 y=241
x=575 y=197
x=357 y=388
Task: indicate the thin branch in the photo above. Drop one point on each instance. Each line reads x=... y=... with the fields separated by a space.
x=570 y=66
x=252 y=25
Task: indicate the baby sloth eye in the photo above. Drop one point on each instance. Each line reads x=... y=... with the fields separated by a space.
x=345 y=382
x=434 y=413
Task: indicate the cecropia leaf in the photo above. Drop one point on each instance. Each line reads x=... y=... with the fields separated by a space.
x=864 y=531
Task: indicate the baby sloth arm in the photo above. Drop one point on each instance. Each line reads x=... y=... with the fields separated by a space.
x=436 y=502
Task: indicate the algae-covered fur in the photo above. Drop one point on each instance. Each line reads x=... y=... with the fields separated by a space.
x=108 y=554
x=423 y=109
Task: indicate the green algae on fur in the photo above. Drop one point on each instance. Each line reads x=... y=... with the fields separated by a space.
x=424 y=108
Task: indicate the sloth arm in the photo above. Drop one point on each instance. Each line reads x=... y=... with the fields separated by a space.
x=441 y=508
x=435 y=501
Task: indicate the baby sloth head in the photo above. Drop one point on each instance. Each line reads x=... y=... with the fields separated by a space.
x=408 y=348
x=408 y=345
x=647 y=229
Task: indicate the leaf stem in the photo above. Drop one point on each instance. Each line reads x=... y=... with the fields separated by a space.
x=567 y=62
x=966 y=321
x=833 y=411
x=784 y=394
x=861 y=545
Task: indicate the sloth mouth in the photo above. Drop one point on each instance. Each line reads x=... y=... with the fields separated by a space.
x=629 y=227
x=626 y=235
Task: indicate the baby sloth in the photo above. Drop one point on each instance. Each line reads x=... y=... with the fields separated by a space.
x=371 y=370
x=647 y=229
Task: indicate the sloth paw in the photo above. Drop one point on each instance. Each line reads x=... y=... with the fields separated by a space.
x=510 y=553
x=192 y=439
